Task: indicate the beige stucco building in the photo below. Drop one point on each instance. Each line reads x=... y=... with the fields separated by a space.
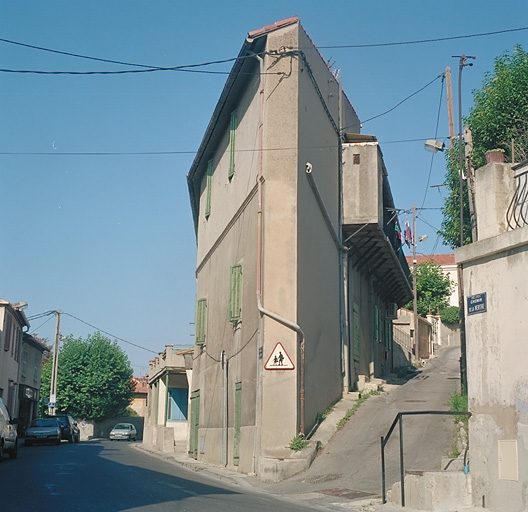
x=299 y=272
x=166 y=414
x=12 y=322
x=29 y=377
x=496 y=307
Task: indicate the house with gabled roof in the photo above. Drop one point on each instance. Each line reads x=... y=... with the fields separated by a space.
x=299 y=269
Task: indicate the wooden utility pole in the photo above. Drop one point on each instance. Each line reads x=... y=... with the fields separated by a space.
x=53 y=387
x=449 y=93
x=415 y=292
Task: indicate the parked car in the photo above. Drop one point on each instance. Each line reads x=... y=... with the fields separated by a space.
x=69 y=428
x=43 y=430
x=8 y=433
x=123 y=431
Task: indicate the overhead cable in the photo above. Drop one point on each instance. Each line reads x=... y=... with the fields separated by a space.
x=423 y=41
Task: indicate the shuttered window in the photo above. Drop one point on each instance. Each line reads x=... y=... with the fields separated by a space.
x=208 y=183
x=232 y=137
x=235 y=293
x=201 y=321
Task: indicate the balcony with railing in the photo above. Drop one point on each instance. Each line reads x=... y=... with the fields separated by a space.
x=517 y=213
x=370 y=224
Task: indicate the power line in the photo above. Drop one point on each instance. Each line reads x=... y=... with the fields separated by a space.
x=163 y=153
x=404 y=100
x=423 y=41
x=109 y=334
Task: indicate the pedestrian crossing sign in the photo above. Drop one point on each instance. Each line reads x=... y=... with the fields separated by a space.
x=279 y=359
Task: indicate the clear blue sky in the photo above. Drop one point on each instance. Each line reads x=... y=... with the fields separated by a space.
x=109 y=238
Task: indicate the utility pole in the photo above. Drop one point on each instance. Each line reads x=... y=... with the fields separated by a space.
x=463 y=365
x=415 y=292
x=449 y=93
x=53 y=386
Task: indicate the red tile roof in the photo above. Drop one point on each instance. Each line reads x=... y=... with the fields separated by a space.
x=140 y=384
x=439 y=259
x=273 y=26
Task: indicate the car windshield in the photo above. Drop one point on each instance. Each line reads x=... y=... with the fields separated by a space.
x=44 y=422
x=122 y=426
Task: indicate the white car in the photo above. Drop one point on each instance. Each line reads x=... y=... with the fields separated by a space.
x=123 y=431
x=8 y=433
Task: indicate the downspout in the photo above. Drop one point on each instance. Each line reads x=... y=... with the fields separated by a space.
x=259 y=260
x=263 y=311
x=224 y=408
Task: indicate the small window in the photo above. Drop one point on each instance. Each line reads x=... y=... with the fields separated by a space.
x=232 y=137
x=235 y=294
x=208 y=183
x=201 y=321
x=356 y=159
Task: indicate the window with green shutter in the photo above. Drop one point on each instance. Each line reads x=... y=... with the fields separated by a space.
x=209 y=179
x=232 y=136
x=201 y=321
x=235 y=293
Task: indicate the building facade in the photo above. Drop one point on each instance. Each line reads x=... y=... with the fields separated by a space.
x=29 y=375
x=496 y=322
x=12 y=322
x=298 y=267
x=166 y=417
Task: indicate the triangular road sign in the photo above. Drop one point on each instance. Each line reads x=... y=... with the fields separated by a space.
x=279 y=359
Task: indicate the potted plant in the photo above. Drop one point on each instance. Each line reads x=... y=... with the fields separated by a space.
x=495 y=155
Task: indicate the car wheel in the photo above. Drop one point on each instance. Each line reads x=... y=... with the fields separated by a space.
x=77 y=439
x=14 y=452
x=134 y=439
x=70 y=439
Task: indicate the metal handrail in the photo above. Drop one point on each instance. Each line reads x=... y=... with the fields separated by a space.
x=384 y=440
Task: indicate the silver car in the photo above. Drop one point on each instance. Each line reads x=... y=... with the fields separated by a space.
x=123 y=431
x=43 y=430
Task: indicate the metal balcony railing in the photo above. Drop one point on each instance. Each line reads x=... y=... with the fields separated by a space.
x=517 y=213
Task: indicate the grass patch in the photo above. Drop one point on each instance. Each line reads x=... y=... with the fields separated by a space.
x=350 y=412
x=459 y=402
x=298 y=443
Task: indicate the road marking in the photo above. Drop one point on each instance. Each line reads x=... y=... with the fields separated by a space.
x=179 y=488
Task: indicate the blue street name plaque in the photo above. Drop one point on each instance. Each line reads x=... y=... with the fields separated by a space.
x=476 y=304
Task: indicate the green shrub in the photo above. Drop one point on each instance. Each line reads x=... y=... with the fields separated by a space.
x=450 y=315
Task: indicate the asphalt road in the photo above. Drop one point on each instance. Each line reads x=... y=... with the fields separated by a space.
x=105 y=476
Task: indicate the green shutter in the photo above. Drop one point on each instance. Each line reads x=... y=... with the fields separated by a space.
x=357 y=340
x=195 y=423
x=201 y=321
x=235 y=293
x=376 y=323
x=209 y=179
x=232 y=136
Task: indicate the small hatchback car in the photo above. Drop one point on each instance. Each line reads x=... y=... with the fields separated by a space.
x=123 y=431
x=69 y=428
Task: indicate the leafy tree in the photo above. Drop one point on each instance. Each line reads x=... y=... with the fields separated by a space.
x=93 y=380
x=498 y=117
x=433 y=289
